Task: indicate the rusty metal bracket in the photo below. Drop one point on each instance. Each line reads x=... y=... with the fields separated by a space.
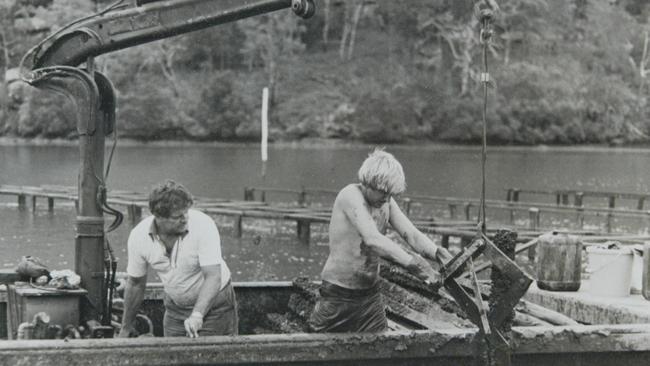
x=490 y=321
x=520 y=283
x=90 y=226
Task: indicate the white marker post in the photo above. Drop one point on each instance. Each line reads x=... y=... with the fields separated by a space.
x=265 y=129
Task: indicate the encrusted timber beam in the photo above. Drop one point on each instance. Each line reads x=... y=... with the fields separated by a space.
x=532 y=346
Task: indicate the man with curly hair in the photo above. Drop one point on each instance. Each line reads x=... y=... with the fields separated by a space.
x=183 y=247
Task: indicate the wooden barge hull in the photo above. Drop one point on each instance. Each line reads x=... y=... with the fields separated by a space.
x=582 y=345
x=593 y=345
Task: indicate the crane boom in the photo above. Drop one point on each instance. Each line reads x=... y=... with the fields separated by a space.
x=118 y=29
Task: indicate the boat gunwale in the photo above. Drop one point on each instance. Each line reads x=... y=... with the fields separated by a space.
x=441 y=343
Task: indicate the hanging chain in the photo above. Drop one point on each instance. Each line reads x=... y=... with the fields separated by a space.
x=485 y=15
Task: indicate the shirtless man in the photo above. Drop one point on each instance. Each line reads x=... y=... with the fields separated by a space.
x=350 y=300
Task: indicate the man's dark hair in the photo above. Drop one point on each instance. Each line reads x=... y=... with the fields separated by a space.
x=169 y=196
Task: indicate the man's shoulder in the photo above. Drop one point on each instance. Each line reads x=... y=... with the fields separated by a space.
x=200 y=218
x=350 y=195
x=349 y=191
x=197 y=214
x=143 y=226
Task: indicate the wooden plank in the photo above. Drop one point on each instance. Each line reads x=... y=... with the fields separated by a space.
x=13 y=312
x=8 y=276
x=229 y=204
x=545 y=314
x=532 y=346
x=303 y=230
x=223 y=211
x=630 y=195
x=528 y=320
x=407 y=316
x=394 y=326
x=67 y=192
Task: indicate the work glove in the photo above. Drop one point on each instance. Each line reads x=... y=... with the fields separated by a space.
x=127 y=332
x=443 y=256
x=193 y=324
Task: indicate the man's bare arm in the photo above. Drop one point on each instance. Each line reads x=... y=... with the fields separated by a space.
x=207 y=293
x=210 y=288
x=414 y=237
x=133 y=297
x=355 y=208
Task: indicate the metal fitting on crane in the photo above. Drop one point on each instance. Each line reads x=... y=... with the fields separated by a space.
x=486 y=10
x=303 y=8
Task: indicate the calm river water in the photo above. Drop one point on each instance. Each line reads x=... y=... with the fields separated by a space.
x=223 y=170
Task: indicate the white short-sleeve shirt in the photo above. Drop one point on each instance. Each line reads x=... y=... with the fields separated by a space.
x=179 y=272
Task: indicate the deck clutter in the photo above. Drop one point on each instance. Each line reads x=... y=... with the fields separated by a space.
x=275 y=311
x=35 y=313
x=412 y=305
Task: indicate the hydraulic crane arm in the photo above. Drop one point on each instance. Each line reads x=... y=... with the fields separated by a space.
x=124 y=26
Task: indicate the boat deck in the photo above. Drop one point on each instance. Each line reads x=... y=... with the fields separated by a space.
x=603 y=343
x=587 y=308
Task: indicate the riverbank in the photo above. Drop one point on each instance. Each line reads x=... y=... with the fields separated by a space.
x=321 y=143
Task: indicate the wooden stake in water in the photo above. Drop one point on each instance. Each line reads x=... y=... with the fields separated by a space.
x=265 y=129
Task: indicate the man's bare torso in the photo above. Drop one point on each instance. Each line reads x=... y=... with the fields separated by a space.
x=351 y=263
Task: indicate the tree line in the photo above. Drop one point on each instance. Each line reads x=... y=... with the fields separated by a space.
x=565 y=72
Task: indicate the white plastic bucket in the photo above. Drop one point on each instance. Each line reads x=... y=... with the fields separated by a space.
x=610 y=271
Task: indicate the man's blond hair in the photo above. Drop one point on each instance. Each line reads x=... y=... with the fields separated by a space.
x=382 y=171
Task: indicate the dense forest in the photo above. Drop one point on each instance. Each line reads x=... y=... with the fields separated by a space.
x=565 y=71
